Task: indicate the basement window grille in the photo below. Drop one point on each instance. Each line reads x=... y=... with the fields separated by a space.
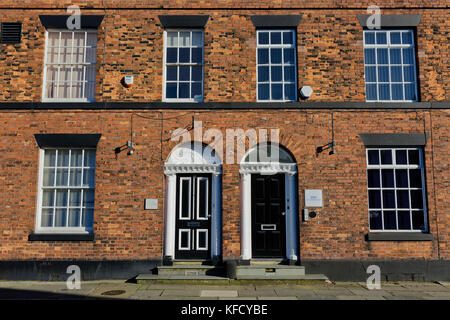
x=11 y=32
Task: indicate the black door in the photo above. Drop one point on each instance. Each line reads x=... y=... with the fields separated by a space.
x=268 y=216
x=193 y=217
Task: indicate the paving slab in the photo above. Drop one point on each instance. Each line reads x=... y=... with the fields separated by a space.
x=277 y=298
x=368 y=293
x=294 y=292
x=102 y=290
x=181 y=293
x=146 y=294
x=219 y=293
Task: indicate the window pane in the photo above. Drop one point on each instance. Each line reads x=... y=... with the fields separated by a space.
x=396 y=56
x=369 y=56
x=184 y=90
x=49 y=177
x=401 y=178
x=89 y=158
x=74 y=217
x=171 y=90
x=400 y=157
x=61 y=198
x=404 y=220
x=289 y=74
x=172 y=55
x=47 y=218
x=385 y=93
x=275 y=38
x=197 y=55
x=410 y=91
x=263 y=74
x=415 y=178
x=185 y=73
x=418 y=220
x=275 y=55
x=185 y=55
x=369 y=37
x=382 y=56
x=288 y=37
x=172 y=39
x=184 y=39
x=396 y=75
x=416 y=199
x=375 y=220
x=172 y=73
x=386 y=156
x=383 y=74
x=373 y=178
x=288 y=54
x=397 y=92
x=402 y=199
x=389 y=220
x=276 y=73
x=408 y=56
x=196 y=73
x=49 y=158
x=371 y=75
x=76 y=158
x=60 y=217
x=395 y=38
x=88 y=198
x=381 y=38
x=371 y=91
x=277 y=91
x=289 y=92
x=48 y=198
x=387 y=176
x=373 y=156
x=196 y=90
x=62 y=176
x=197 y=39
x=413 y=156
x=63 y=158
x=410 y=73
x=374 y=199
x=75 y=177
x=388 y=199
x=89 y=177
x=263 y=92
x=406 y=38
x=263 y=38
x=263 y=56
x=87 y=218
x=75 y=198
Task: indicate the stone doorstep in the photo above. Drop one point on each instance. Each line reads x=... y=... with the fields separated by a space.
x=191 y=270
x=270 y=271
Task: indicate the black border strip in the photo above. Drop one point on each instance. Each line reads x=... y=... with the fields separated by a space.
x=276 y=21
x=399 y=236
x=60 y=237
x=220 y=105
x=67 y=140
x=394 y=139
x=183 y=21
x=60 y=21
x=391 y=20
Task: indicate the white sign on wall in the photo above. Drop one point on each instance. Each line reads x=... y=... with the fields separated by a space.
x=313 y=198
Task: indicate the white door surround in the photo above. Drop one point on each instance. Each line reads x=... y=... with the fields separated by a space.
x=192 y=158
x=268 y=167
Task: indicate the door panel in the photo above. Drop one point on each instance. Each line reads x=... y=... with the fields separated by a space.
x=193 y=226
x=268 y=216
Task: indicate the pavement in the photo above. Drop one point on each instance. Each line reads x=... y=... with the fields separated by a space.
x=317 y=290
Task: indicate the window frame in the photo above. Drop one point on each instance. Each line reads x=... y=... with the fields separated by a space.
x=45 y=64
x=164 y=98
x=395 y=166
x=388 y=45
x=269 y=46
x=61 y=230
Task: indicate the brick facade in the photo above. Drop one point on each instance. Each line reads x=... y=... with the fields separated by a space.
x=130 y=41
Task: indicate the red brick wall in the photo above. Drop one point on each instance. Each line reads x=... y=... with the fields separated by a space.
x=124 y=230
x=329 y=47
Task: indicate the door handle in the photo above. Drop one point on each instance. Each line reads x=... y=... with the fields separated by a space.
x=283 y=213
